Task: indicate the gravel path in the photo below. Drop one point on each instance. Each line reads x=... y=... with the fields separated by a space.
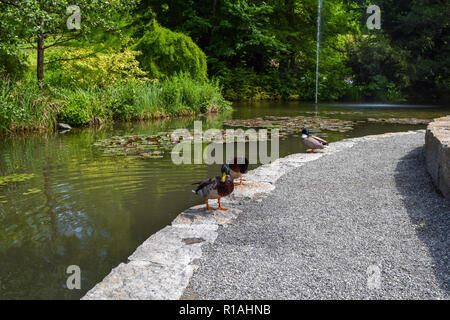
x=331 y=225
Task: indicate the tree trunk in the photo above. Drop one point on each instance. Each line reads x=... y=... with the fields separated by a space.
x=40 y=62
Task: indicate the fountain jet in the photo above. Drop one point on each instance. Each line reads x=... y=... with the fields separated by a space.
x=319 y=9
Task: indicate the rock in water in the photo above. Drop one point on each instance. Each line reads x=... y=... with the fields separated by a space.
x=64 y=126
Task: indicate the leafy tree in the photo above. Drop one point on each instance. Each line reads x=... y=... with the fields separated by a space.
x=422 y=27
x=255 y=47
x=415 y=33
x=166 y=53
x=378 y=66
x=234 y=32
x=43 y=23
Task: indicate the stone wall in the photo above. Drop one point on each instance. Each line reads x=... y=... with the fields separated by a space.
x=437 y=141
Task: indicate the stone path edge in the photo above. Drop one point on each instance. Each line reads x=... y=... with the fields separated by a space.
x=162 y=266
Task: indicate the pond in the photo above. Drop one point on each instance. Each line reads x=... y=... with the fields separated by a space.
x=77 y=205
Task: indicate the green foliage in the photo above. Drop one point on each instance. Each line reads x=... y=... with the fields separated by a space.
x=255 y=50
x=23 y=107
x=12 y=64
x=241 y=38
x=381 y=70
x=77 y=111
x=264 y=50
x=166 y=53
x=101 y=69
x=6 y=103
x=43 y=23
x=241 y=83
x=184 y=94
x=421 y=28
x=418 y=34
x=129 y=100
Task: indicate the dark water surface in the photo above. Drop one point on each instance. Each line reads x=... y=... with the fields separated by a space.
x=93 y=210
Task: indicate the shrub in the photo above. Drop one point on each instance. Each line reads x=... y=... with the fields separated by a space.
x=121 y=100
x=129 y=100
x=77 y=110
x=101 y=69
x=166 y=53
x=12 y=64
x=182 y=93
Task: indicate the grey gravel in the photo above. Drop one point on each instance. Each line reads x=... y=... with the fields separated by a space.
x=328 y=222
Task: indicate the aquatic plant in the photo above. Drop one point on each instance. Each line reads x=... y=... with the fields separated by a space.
x=401 y=120
x=19 y=177
x=293 y=125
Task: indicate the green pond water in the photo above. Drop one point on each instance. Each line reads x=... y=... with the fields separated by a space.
x=87 y=208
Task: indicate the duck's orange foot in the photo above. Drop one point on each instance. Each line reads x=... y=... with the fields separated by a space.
x=208 y=207
x=220 y=206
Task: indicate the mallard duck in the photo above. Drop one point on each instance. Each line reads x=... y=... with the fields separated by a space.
x=216 y=187
x=237 y=168
x=312 y=142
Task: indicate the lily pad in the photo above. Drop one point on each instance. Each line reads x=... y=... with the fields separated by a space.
x=293 y=125
x=15 y=178
x=148 y=147
x=32 y=191
x=401 y=120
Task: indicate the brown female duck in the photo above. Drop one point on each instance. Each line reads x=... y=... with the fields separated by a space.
x=238 y=167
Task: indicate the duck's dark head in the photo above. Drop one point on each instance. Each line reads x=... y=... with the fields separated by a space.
x=305 y=133
x=240 y=164
x=225 y=172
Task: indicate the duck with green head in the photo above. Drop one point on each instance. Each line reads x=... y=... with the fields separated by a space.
x=216 y=187
x=311 y=141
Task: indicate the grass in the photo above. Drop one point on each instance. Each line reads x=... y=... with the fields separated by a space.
x=23 y=107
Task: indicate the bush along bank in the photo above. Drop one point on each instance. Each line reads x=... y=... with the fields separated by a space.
x=23 y=107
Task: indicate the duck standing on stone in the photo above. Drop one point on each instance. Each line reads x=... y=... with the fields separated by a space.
x=312 y=142
x=238 y=167
x=216 y=187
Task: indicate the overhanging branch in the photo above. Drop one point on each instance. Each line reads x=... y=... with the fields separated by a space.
x=70 y=59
